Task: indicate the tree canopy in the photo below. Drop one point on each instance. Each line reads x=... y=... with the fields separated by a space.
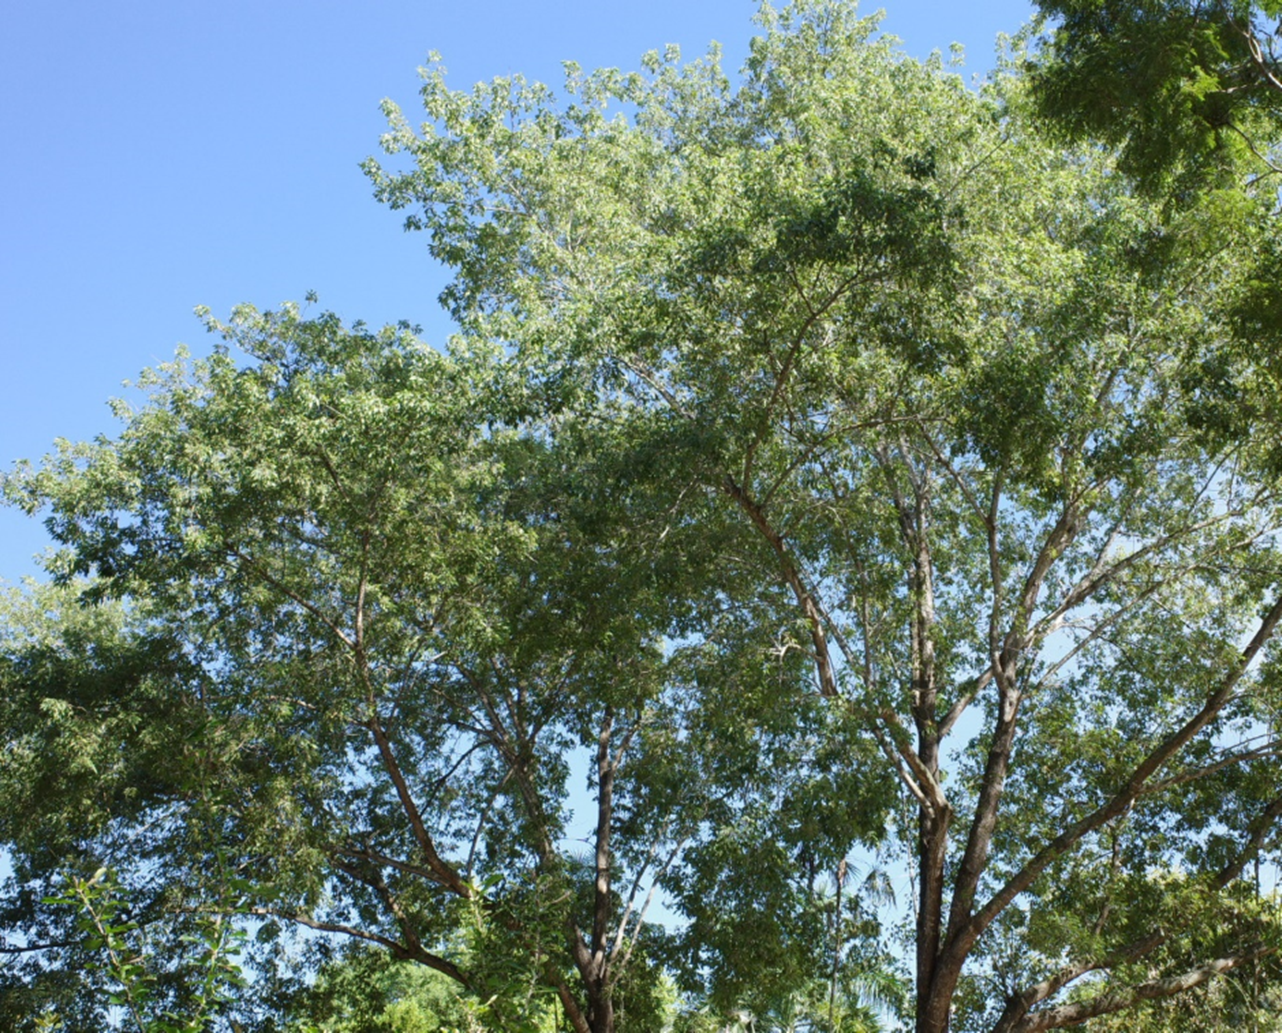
x=1186 y=88
x=833 y=473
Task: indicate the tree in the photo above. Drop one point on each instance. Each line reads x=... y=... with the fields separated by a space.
x=1184 y=88
x=821 y=460
x=1191 y=94
x=94 y=738
x=376 y=636
x=985 y=408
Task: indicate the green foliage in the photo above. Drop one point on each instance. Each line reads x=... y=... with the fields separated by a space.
x=826 y=463
x=337 y=570
x=1187 y=89
x=212 y=975
x=366 y=991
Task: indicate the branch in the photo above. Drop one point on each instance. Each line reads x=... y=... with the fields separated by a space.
x=373 y=856
x=636 y=888
x=1193 y=774
x=372 y=876
x=894 y=758
x=1017 y=1007
x=1078 y=1012
x=1059 y=539
x=983 y=824
x=441 y=871
x=605 y=812
x=622 y=964
x=663 y=391
x=1004 y=668
x=1257 y=57
x=1100 y=575
x=52 y=945
x=572 y=1010
x=930 y=793
x=621 y=932
x=483 y=819
x=1259 y=832
x=1013 y=1018
x=293 y=596
x=959 y=707
x=516 y=765
x=955 y=474
x=398 y=949
x=1134 y=786
x=804 y=597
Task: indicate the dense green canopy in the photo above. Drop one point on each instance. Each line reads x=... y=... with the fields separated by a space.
x=1188 y=89
x=853 y=488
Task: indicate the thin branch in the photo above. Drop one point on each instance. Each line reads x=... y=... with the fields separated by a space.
x=959 y=707
x=1192 y=775
x=662 y=390
x=895 y=759
x=375 y=857
x=980 y=511
x=483 y=820
x=399 y=950
x=1119 y=1000
x=1099 y=575
x=293 y=596
x=622 y=964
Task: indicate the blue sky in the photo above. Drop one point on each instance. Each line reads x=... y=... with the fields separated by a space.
x=163 y=155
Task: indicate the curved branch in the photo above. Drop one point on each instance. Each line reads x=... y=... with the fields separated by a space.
x=1119 y=1000
x=400 y=950
x=805 y=598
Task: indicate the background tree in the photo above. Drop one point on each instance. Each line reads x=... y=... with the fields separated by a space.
x=95 y=736
x=385 y=635
x=363 y=989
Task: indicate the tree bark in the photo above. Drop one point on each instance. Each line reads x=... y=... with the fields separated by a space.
x=592 y=955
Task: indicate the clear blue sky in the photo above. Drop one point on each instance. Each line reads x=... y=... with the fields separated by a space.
x=161 y=155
